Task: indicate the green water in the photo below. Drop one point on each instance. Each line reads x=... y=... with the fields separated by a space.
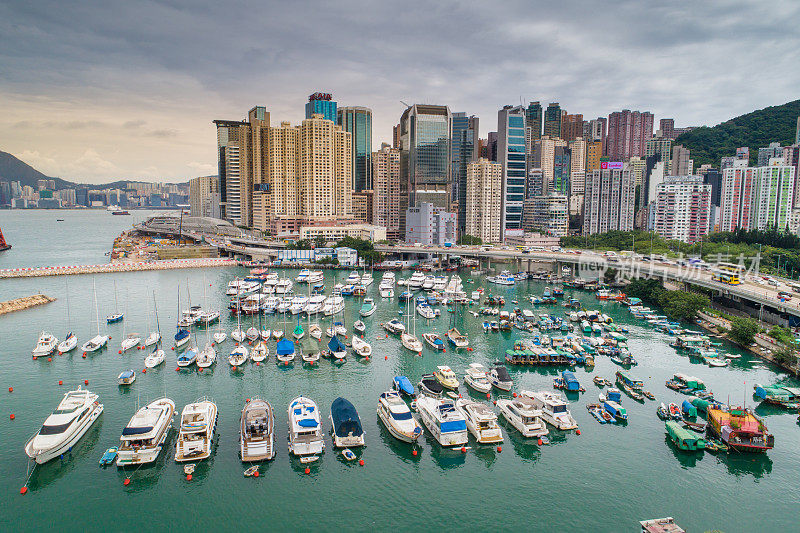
x=605 y=479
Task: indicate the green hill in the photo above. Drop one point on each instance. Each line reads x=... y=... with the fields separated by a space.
x=754 y=130
x=13 y=169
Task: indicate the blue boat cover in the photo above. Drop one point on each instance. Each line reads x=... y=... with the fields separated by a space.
x=181 y=334
x=189 y=355
x=285 y=347
x=126 y=374
x=345 y=418
x=403 y=384
x=136 y=431
x=453 y=425
x=570 y=381
x=335 y=345
x=307 y=423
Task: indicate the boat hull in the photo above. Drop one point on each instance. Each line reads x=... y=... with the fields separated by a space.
x=43 y=456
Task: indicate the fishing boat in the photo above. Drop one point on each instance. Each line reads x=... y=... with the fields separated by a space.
x=430 y=386
x=75 y=414
x=367 y=308
x=45 y=345
x=394 y=326
x=446 y=377
x=346 y=425
x=196 y=433
x=337 y=349
x=499 y=377
x=600 y=381
x=457 y=339
x=739 y=429
x=615 y=410
x=596 y=410
x=477 y=379
x=260 y=352
x=126 y=377
x=663 y=412
x=305 y=430
x=98 y=341
x=238 y=356
x=434 y=341
x=142 y=439
x=443 y=420
x=554 y=409
x=395 y=415
x=256 y=431
x=522 y=414
x=361 y=347
x=359 y=327
x=116 y=316
x=674 y=411
x=403 y=386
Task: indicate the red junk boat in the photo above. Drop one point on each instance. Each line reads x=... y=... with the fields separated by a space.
x=3 y=244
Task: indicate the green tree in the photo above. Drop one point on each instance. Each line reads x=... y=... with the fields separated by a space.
x=682 y=305
x=743 y=330
x=469 y=240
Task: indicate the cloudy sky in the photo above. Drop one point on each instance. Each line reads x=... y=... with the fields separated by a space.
x=120 y=89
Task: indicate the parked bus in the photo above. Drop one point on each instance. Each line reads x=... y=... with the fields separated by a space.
x=727 y=273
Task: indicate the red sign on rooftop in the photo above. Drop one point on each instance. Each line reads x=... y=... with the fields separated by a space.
x=320 y=96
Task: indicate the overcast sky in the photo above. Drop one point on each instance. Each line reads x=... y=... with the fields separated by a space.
x=127 y=90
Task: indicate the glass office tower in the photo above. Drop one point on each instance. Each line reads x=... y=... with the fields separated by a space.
x=358 y=121
x=511 y=154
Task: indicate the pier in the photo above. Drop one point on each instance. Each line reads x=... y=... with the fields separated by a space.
x=26 y=302
x=111 y=268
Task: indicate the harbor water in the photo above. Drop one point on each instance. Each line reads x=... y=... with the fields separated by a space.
x=605 y=479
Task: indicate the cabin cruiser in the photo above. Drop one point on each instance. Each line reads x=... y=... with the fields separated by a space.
x=388 y=277
x=430 y=386
x=477 y=379
x=256 y=431
x=427 y=284
x=285 y=304
x=367 y=308
x=553 y=407
x=155 y=358
x=241 y=287
x=314 y=305
x=333 y=305
x=522 y=413
x=315 y=276
x=145 y=433
x=446 y=377
x=361 y=347
x=126 y=377
x=386 y=292
x=45 y=345
x=353 y=278
x=188 y=357
x=283 y=286
x=434 y=341
x=208 y=317
x=481 y=421
x=305 y=431
x=503 y=278
x=457 y=339
x=95 y=343
x=238 y=356
x=425 y=311
x=500 y=378
x=440 y=283
x=270 y=304
x=394 y=326
x=346 y=425
x=302 y=276
x=196 y=434
x=366 y=279
x=298 y=304
x=445 y=423
x=396 y=417
x=415 y=281
x=74 y=415
x=68 y=344
x=207 y=357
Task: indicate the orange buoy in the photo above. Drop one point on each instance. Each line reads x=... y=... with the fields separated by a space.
x=23 y=490
x=308 y=470
x=499 y=449
x=539 y=442
x=177 y=369
x=385 y=357
x=258 y=363
x=234 y=368
x=85 y=381
x=84 y=356
x=200 y=369
x=286 y=363
x=414 y=453
x=127 y=481
x=361 y=462
x=144 y=371
x=12 y=417
x=11 y=389
x=463 y=449
x=173 y=348
x=188 y=477
x=34 y=358
x=120 y=351
x=514 y=394
x=387 y=336
x=109 y=338
x=444 y=351
x=49 y=359
x=60 y=382
x=255 y=474
x=577 y=431
x=488 y=395
x=495 y=402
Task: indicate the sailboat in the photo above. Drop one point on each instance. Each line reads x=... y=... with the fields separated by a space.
x=208 y=356
x=154 y=336
x=410 y=340
x=116 y=316
x=98 y=341
x=298 y=332
x=182 y=335
x=238 y=356
x=157 y=356
x=128 y=341
x=309 y=349
x=70 y=341
x=284 y=353
x=219 y=335
x=238 y=333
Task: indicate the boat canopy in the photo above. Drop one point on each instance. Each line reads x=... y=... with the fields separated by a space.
x=570 y=381
x=450 y=426
x=432 y=384
x=136 y=430
x=502 y=373
x=403 y=384
x=285 y=347
x=307 y=423
x=345 y=418
x=125 y=374
x=685 y=439
x=335 y=345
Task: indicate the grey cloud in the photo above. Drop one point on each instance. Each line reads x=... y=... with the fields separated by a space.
x=162 y=134
x=133 y=124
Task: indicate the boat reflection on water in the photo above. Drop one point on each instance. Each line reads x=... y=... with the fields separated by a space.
x=446 y=458
x=687 y=459
x=148 y=475
x=487 y=453
x=757 y=465
x=54 y=470
x=402 y=450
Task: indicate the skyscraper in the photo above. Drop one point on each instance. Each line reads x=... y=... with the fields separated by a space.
x=533 y=120
x=628 y=132
x=425 y=136
x=797 y=132
x=511 y=154
x=736 y=197
x=773 y=196
x=321 y=104
x=200 y=190
x=358 y=121
x=544 y=157
x=594 y=151
x=682 y=208
x=660 y=146
x=571 y=127
x=464 y=150
x=386 y=190
x=483 y=200
x=577 y=175
x=552 y=120
x=609 y=199
x=547 y=214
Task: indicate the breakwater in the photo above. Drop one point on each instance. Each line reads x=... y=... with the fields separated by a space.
x=26 y=302
x=109 y=268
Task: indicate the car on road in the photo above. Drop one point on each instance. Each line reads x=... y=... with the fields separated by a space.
x=783 y=295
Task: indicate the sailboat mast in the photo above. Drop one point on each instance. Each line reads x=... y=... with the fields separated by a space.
x=96 y=308
x=66 y=283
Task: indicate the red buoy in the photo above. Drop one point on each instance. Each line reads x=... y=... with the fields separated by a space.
x=120 y=351
x=385 y=357
x=463 y=449
x=84 y=356
x=188 y=477
x=173 y=348
x=308 y=470
x=177 y=369
x=200 y=369
x=258 y=363
x=499 y=449
x=286 y=363
x=23 y=490
x=11 y=389
x=34 y=358
x=414 y=453
x=514 y=395
x=49 y=359
x=361 y=462
x=255 y=474
x=539 y=442
x=495 y=402
x=60 y=382
x=12 y=417
x=144 y=371
x=85 y=381
x=488 y=395
x=127 y=481
x=577 y=431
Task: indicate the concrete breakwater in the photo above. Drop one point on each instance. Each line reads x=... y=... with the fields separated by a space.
x=107 y=268
x=26 y=302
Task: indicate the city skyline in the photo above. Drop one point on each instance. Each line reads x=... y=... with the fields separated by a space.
x=131 y=95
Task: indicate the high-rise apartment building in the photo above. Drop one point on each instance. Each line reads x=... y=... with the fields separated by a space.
x=358 y=121
x=637 y=166
x=321 y=104
x=425 y=136
x=363 y=206
x=595 y=130
x=628 y=132
x=736 y=197
x=483 y=200
x=682 y=208
x=680 y=164
x=661 y=146
x=774 y=195
x=548 y=214
x=544 y=157
x=609 y=199
x=512 y=156
x=562 y=161
x=465 y=148
x=429 y=224
x=552 y=120
x=533 y=120
x=200 y=193
x=571 y=127
x=772 y=151
x=386 y=192
x=577 y=175
x=667 y=127
x=594 y=152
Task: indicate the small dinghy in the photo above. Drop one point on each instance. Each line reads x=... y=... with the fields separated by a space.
x=252 y=471
x=309 y=459
x=109 y=456
x=189 y=469
x=359 y=326
x=126 y=377
x=348 y=454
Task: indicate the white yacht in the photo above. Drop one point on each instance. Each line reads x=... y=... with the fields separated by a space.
x=285 y=304
x=207 y=357
x=315 y=332
x=130 y=341
x=314 y=304
x=316 y=276
x=415 y=281
x=503 y=278
x=298 y=304
x=394 y=327
x=145 y=433
x=481 y=421
x=45 y=345
x=440 y=283
x=445 y=423
x=238 y=334
x=95 y=343
x=388 y=277
x=361 y=347
x=155 y=358
x=353 y=278
x=427 y=284
x=553 y=407
x=270 y=304
x=425 y=311
x=220 y=336
x=256 y=431
x=271 y=280
x=242 y=287
x=367 y=279
x=476 y=378
x=302 y=276
x=153 y=338
x=521 y=413
x=500 y=378
x=333 y=305
x=386 y=291
x=283 y=286
x=68 y=344
x=397 y=418
x=196 y=435
x=305 y=430
x=74 y=415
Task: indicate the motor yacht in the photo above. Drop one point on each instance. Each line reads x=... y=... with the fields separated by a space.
x=443 y=420
x=333 y=305
x=415 y=281
x=446 y=377
x=196 y=434
x=367 y=279
x=298 y=304
x=305 y=430
x=395 y=415
x=346 y=425
x=74 y=415
x=353 y=278
x=283 y=286
x=367 y=308
x=440 y=283
x=386 y=292
x=521 y=413
x=425 y=311
x=500 y=378
x=427 y=284
x=554 y=409
x=270 y=304
x=143 y=437
x=503 y=278
x=476 y=378
x=481 y=421
x=256 y=431
x=302 y=276
x=208 y=317
x=314 y=305
x=394 y=327
x=242 y=287
x=316 y=276
x=45 y=345
x=238 y=356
